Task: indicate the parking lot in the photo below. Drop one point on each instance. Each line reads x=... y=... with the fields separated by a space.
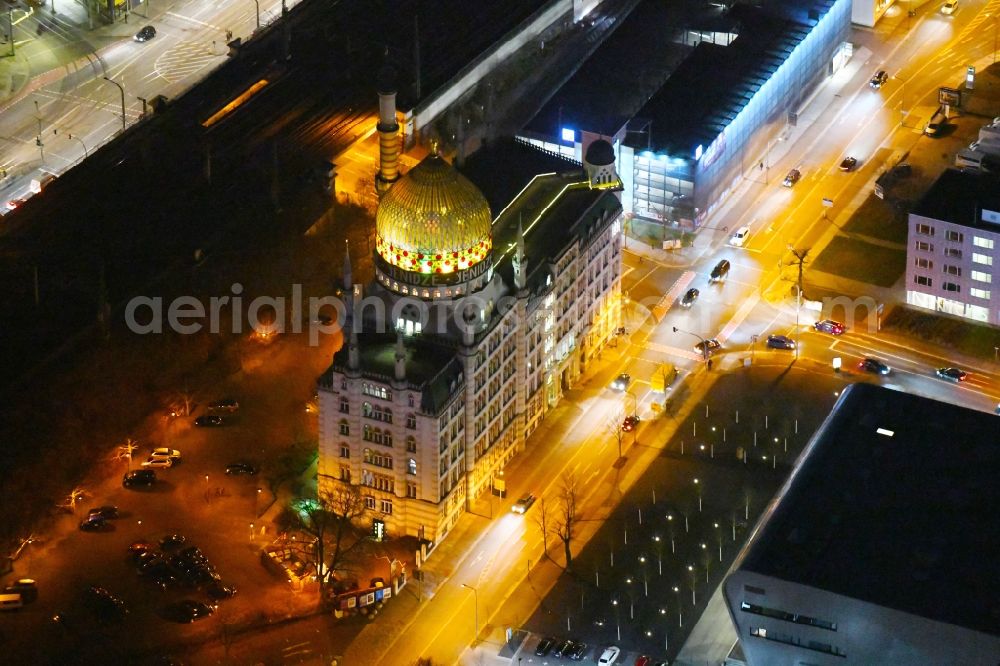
x=643 y=580
x=218 y=513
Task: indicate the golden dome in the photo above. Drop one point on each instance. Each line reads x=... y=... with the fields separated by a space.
x=433 y=220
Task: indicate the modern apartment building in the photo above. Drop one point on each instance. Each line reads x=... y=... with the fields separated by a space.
x=953 y=247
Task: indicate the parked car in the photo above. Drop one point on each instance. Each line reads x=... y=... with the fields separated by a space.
x=227 y=405
x=164 y=452
x=829 y=326
x=189 y=610
x=952 y=374
x=780 y=342
x=158 y=463
x=235 y=469
x=544 y=647
x=609 y=656
x=878 y=79
x=217 y=591
x=792 y=177
x=720 y=271
x=579 y=652
x=622 y=381
x=26 y=587
x=139 y=477
x=690 y=296
x=642 y=660
x=172 y=541
x=949 y=7
x=104 y=605
x=564 y=648
x=870 y=364
x=94 y=523
x=107 y=512
x=630 y=422
x=712 y=344
x=740 y=237
x=848 y=163
x=522 y=505
x=145 y=34
x=209 y=421
x=138 y=548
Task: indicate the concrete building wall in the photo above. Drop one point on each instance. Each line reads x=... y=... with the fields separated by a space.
x=954 y=269
x=830 y=629
x=868 y=12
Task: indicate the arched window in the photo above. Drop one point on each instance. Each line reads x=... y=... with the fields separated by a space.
x=411 y=421
x=368 y=455
x=367 y=433
x=345 y=429
x=387 y=438
x=366 y=409
x=411 y=466
x=387 y=415
x=411 y=445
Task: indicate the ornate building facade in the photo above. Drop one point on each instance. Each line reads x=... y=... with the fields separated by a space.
x=471 y=331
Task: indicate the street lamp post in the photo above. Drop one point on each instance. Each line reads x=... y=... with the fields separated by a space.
x=704 y=343
x=76 y=138
x=257 y=4
x=475 y=592
x=800 y=259
x=121 y=89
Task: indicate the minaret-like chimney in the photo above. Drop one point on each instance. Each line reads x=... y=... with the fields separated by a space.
x=400 y=358
x=388 y=129
x=353 y=351
x=520 y=261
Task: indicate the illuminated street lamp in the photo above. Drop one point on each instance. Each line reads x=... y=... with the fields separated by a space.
x=704 y=343
x=475 y=592
x=122 y=91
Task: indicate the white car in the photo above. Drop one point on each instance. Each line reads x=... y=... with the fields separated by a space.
x=609 y=656
x=153 y=463
x=740 y=237
x=949 y=7
x=163 y=452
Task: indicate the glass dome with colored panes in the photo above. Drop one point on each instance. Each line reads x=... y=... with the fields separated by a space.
x=433 y=233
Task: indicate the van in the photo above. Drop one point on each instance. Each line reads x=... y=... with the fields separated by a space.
x=10 y=602
x=40 y=183
x=720 y=271
x=936 y=124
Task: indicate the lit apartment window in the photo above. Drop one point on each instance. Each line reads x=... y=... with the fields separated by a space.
x=921 y=262
x=924 y=246
x=954 y=236
x=980 y=293
x=923 y=280
x=982 y=242
x=951 y=286
x=925 y=230
x=411 y=466
x=984 y=259
x=953 y=270
x=980 y=276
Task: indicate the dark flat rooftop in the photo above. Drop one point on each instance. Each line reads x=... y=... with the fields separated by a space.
x=960 y=197
x=547 y=206
x=618 y=78
x=906 y=521
x=714 y=83
x=430 y=366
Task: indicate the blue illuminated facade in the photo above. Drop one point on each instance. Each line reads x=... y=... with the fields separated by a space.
x=712 y=123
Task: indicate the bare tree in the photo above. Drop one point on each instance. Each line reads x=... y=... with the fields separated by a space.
x=330 y=519
x=565 y=519
x=544 y=522
x=616 y=426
